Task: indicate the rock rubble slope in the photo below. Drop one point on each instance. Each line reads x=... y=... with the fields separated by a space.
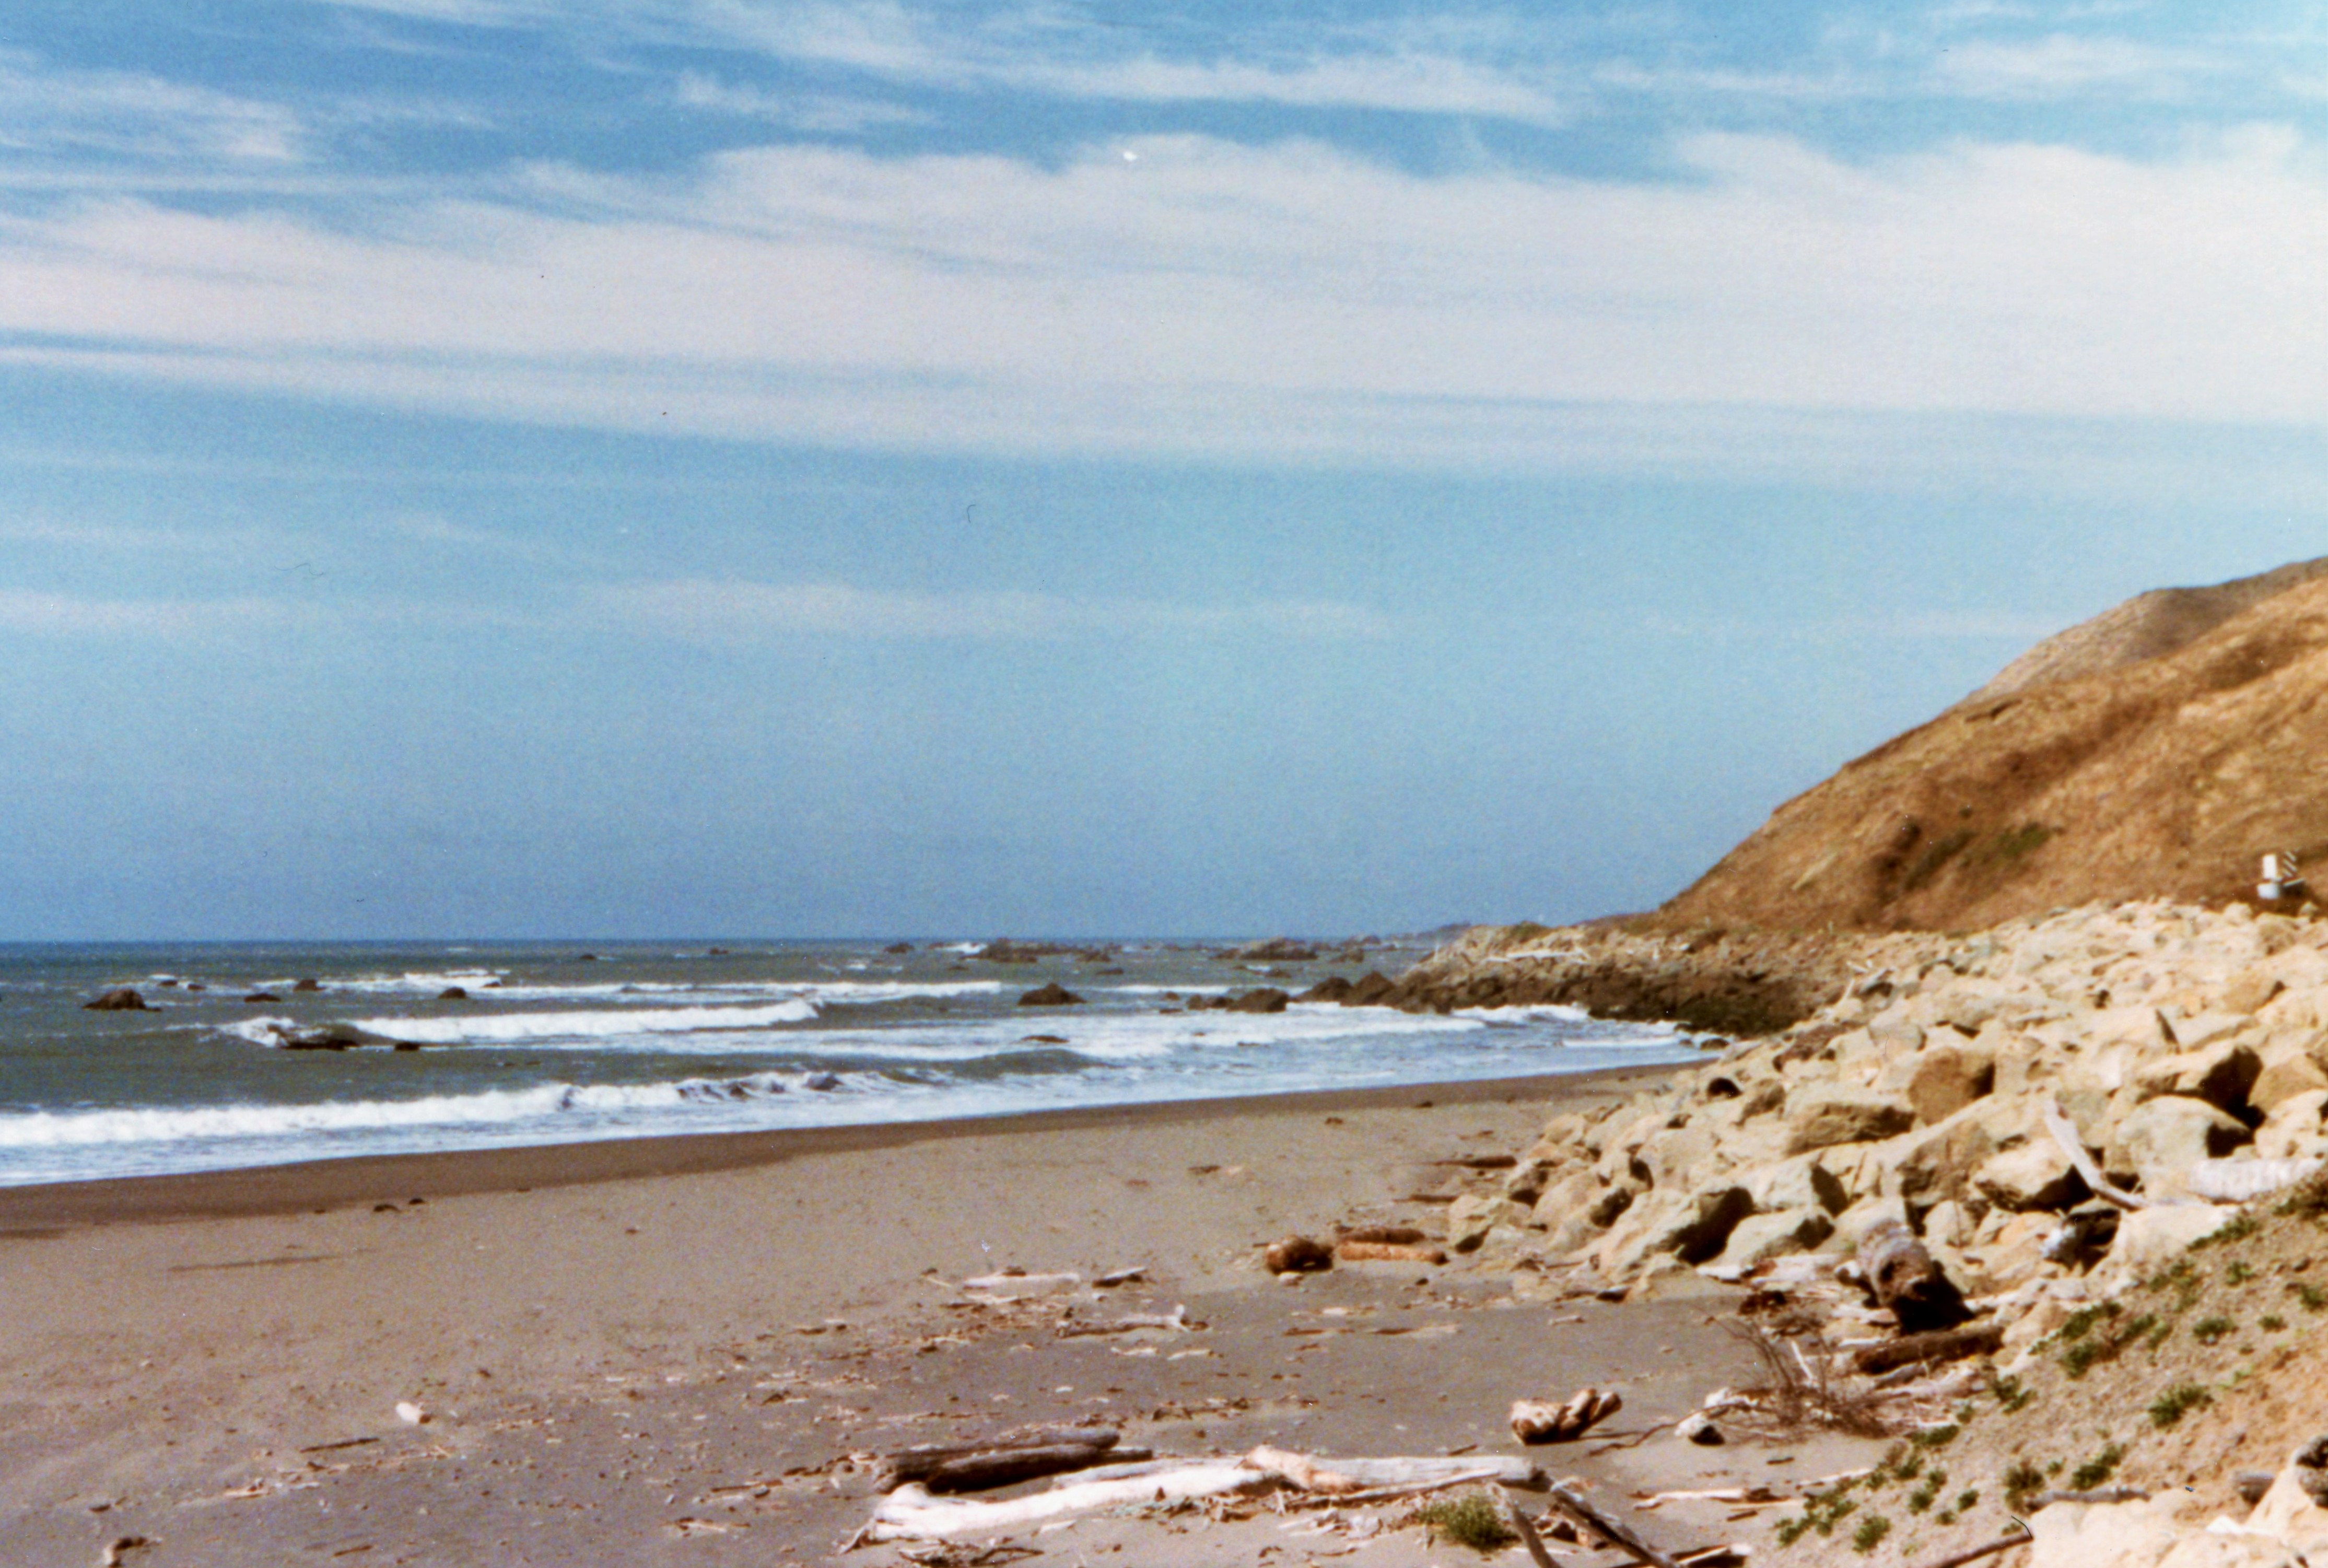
x=2178 y=1054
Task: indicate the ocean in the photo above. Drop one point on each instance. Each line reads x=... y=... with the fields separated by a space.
x=563 y=1042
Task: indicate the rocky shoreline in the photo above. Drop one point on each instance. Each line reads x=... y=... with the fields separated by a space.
x=2055 y=1112
x=1707 y=978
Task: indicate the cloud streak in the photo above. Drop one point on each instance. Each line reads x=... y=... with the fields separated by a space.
x=703 y=610
x=1211 y=298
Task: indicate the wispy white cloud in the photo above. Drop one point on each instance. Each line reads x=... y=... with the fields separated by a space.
x=47 y=109
x=1214 y=299
x=67 y=615
x=2063 y=65
x=812 y=112
x=748 y=612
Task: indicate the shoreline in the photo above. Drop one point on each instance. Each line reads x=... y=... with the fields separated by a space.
x=587 y=1353
x=44 y=1209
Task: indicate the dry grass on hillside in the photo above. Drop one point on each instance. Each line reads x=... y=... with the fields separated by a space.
x=2164 y=778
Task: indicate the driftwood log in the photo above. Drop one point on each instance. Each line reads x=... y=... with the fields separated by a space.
x=1358 y=1252
x=1301 y=1470
x=1616 y=1532
x=912 y=1513
x=1535 y=1420
x=2065 y=1133
x=1940 y=1345
x=1906 y=1280
x=926 y=1461
x=980 y=1472
x=1394 y=1235
x=1987 y=1549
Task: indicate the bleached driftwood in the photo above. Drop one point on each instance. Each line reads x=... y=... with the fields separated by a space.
x=979 y=1472
x=2245 y=1181
x=1301 y=1470
x=1357 y=1252
x=1173 y=1322
x=2065 y=1133
x=1535 y=1420
x=912 y=1514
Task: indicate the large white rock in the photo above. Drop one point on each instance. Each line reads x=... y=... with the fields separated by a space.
x=1833 y=1113
x=2173 y=1133
x=2149 y=1239
x=2106 y=1535
x=2035 y=1176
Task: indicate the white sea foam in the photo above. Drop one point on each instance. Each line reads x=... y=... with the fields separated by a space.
x=491 y=1107
x=494 y=1028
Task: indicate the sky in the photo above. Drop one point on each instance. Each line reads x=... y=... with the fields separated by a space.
x=638 y=468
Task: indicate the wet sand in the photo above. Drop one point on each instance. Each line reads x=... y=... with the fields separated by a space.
x=663 y=1350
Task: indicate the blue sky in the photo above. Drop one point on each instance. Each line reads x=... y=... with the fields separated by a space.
x=627 y=467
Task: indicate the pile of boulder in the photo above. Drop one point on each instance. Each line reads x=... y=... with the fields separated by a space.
x=1981 y=1090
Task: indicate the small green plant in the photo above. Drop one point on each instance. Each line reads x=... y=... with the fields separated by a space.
x=2237 y=1228
x=2271 y=1322
x=2313 y=1297
x=1822 y=1512
x=2052 y=1469
x=1921 y=1498
x=2096 y=1469
x=2095 y=1348
x=2238 y=1274
x=1527 y=930
x=2010 y=1395
x=2209 y=1330
x=1869 y=1534
x=2170 y=1407
x=1471 y=1520
x=1966 y=1499
x=2023 y=1482
x=1928 y=864
x=2013 y=843
x=2084 y=1318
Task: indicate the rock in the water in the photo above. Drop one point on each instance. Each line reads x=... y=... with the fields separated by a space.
x=262 y=996
x=822 y=1083
x=1369 y=989
x=1277 y=949
x=899 y=947
x=1298 y=1254
x=1333 y=987
x=121 y=998
x=1051 y=995
x=1267 y=999
x=325 y=1038
x=308 y=982
x=453 y=993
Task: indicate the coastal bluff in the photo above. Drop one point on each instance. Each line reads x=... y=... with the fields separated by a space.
x=2156 y=751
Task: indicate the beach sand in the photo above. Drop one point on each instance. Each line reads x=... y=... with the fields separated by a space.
x=656 y=1351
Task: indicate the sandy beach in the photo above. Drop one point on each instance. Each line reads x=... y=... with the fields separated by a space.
x=665 y=1350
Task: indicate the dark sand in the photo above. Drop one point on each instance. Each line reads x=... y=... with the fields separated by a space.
x=663 y=1350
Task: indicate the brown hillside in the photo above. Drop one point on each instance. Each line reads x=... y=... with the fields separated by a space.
x=2102 y=773
x=2145 y=627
